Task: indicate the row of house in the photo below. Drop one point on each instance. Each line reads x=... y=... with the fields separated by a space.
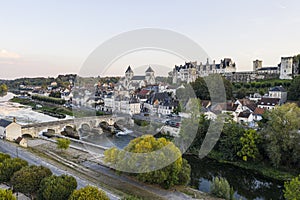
x=247 y=111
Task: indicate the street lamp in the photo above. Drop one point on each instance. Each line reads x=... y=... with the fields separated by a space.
x=17 y=151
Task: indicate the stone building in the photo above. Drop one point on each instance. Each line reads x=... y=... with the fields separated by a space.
x=190 y=71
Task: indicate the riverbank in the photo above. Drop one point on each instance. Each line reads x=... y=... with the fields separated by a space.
x=46 y=108
x=260 y=168
x=93 y=168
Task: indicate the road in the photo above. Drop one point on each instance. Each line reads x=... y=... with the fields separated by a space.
x=32 y=159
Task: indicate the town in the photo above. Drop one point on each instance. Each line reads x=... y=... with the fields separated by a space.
x=136 y=105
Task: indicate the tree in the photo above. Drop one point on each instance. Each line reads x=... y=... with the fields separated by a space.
x=90 y=193
x=6 y=195
x=63 y=143
x=229 y=143
x=148 y=153
x=9 y=166
x=57 y=187
x=249 y=142
x=3 y=157
x=28 y=179
x=3 y=89
x=292 y=189
x=294 y=89
x=202 y=92
x=281 y=135
x=221 y=188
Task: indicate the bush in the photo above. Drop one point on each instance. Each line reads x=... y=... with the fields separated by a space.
x=6 y=195
x=221 y=188
x=291 y=189
x=89 y=193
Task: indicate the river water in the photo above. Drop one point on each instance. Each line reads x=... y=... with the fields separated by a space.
x=23 y=114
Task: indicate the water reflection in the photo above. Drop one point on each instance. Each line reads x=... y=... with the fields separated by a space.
x=247 y=185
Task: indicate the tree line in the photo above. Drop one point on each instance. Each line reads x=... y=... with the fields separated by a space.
x=38 y=182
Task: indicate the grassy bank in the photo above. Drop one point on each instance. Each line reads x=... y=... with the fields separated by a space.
x=264 y=169
x=45 y=107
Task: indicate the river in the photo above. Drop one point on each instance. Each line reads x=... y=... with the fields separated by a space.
x=23 y=114
x=246 y=184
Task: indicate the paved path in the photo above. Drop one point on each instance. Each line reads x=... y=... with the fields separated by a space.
x=16 y=151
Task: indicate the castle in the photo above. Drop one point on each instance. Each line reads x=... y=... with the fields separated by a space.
x=190 y=71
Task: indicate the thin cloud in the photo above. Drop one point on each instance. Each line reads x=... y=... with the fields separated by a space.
x=8 y=54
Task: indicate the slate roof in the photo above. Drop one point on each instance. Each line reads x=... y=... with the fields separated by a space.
x=277 y=89
x=269 y=101
x=138 y=78
x=129 y=70
x=244 y=114
x=149 y=69
x=4 y=123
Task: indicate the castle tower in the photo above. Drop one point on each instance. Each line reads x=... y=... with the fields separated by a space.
x=149 y=76
x=128 y=76
x=286 y=68
x=129 y=73
x=257 y=64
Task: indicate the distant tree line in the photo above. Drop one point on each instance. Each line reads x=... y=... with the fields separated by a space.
x=49 y=99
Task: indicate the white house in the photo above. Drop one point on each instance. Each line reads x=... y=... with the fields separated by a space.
x=10 y=130
x=278 y=92
x=268 y=103
x=245 y=117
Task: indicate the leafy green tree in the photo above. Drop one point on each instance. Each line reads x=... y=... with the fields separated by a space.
x=281 y=135
x=28 y=179
x=6 y=195
x=3 y=157
x=57 y=187
x=201 y=89
x=292 y=189
x=63 y=143
x=88 y=193
x=249 y=141
x=9 y=166
x=294 y=89
x=145 y=145
x=229 y=143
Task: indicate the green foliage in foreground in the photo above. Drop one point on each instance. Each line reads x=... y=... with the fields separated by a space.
x=6 y=195
x=57 y=187
x=9 y=166
x=28 y=179
x=221 y=188
x=88 y=193
x=292 y=189
x=3 y=157
x=148 y=154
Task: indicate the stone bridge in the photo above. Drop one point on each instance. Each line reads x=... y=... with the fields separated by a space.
x=34 y=130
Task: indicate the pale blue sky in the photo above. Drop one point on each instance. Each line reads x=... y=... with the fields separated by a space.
x=46 y=38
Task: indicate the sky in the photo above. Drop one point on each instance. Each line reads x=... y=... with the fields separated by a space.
x=51 y=37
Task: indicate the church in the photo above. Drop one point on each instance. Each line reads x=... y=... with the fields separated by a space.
x=132 y=82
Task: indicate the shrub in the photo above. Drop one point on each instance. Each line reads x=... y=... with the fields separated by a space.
x=221 y=188
x=292 y=189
